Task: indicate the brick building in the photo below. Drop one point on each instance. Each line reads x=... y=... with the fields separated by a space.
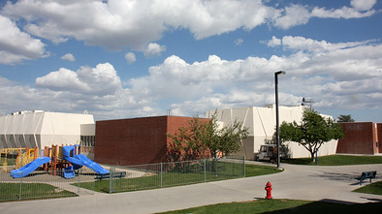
x=361 y=138
x=137 y=140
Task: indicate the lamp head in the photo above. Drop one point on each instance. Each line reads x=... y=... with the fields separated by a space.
x=280 y=73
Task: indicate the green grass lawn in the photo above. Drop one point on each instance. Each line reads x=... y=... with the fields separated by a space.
x=172 y=179
x=256 y=170
x=150 y=182
x=283 y=206
x=11 y=191
x=337 y=160
x=373 y=188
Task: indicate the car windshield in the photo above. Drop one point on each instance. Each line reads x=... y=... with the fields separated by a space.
x=263 y=149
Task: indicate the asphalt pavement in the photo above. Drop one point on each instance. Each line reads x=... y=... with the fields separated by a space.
x=315 y=183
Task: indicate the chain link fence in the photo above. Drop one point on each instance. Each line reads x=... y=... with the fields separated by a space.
x=42 y=184
x=46 y=184
x=160 y=175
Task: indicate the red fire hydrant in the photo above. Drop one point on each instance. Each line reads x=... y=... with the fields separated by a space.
x=268 y=188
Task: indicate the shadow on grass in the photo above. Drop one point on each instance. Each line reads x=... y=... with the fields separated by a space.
x=298 y=161
x=330 y=206
x=281 y=206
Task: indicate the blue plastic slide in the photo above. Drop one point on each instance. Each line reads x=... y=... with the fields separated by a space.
x=79 y=160
x=30 y=167
x=73 y=160
x=69 y=172
x=92 y=165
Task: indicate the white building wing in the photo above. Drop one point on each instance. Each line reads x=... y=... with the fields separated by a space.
x=40 y=128
x=261 y=122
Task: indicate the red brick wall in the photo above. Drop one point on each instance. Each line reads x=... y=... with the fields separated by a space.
x=130 y=141
x=174 y=123
x=359 y=138
x=135 y=141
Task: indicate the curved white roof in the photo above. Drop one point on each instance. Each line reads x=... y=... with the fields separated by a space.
x=39 y=128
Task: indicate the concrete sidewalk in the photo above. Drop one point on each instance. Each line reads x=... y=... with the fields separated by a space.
x=314 y=183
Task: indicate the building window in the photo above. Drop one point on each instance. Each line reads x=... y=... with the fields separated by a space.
x=87 y=143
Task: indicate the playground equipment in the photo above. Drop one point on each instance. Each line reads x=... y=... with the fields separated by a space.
x=57 y=162
x=4 y=153
x=78 y=161
x=62 y=158
x=30 y=167
x=23 y=157
x=28 y=156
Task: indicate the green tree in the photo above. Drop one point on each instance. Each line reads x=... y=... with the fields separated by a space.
x=229 y=138
x=313 y=131
x=200 y=139
x=344 y=118
x=188 y=142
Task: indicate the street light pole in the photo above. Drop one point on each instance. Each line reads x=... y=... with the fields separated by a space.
x=277 y=116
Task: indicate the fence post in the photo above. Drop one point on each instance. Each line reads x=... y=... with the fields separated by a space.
x=243 y=166
x=79 y=181
x=205 y=170
x=110 y=180
x=21 y=184
x=161 y=174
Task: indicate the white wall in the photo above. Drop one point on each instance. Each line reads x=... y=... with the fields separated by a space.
x=39 y=128
x=261 y=122
x=87 y=129
x=298 y=151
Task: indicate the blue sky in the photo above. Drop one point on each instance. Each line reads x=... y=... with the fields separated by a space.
x=124 y=58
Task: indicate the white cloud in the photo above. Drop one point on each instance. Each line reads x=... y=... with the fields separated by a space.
x=347 y=75
x=362 y=5
x=98 y=90
x=294 y=15
x=130 y=57
x=100 y=81
x=127 y=23
x=16 y=45
x=344 y=12
x=69 y=57
x=274 y=42
x=298 y=43
x=332 y=74
x=238 y=41
x=154 y=49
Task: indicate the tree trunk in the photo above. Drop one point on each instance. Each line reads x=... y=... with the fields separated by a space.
x=312 y=156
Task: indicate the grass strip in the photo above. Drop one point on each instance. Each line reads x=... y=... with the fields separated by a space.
x=257 y=170
x=150 y=182
x=170 y=179
x=282 y=206
x=337 y=160
x=373 y=188
x=11 y=191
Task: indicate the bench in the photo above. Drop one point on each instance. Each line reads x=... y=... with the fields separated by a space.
x=114 y=175
x=366 y=175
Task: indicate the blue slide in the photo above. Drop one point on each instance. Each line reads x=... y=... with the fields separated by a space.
x=30 y=167
x=81 y=160
x=92 y=165
x=73 y=160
